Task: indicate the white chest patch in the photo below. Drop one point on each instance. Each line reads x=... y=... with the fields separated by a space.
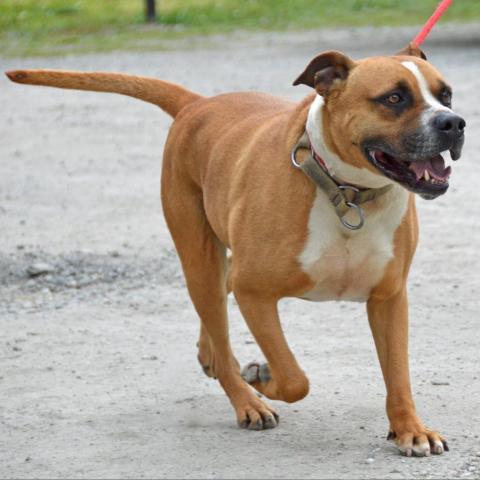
x=345 y=264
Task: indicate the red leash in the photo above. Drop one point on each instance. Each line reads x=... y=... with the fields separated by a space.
x=441 y=9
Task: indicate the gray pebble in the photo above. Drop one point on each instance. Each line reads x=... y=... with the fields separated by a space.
x=39 y=268
x=149 y=357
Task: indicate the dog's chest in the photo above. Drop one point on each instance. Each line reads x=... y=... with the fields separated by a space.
x=344 y=264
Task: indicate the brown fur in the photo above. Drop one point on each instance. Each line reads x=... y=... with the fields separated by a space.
x=168 y=96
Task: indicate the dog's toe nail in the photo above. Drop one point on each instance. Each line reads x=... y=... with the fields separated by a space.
x=408 y=452
x=258 y=425
x=270 y=422
x=390 y=435
x=445 y=446
x=243 y=423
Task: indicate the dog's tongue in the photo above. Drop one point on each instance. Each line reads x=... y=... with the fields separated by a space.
x=434 y=166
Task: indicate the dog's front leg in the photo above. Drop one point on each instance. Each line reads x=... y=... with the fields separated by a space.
x=388 y=319
x=282 y=378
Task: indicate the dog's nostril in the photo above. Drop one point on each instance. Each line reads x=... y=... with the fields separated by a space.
x=449 y=123
x=447 y=126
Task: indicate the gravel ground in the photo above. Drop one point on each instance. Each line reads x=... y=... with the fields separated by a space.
x=98 y=369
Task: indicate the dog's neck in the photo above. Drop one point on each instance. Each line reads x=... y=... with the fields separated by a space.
x=341 y=170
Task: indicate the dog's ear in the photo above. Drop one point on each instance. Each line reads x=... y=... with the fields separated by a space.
x=324 y=70
x=412 y=50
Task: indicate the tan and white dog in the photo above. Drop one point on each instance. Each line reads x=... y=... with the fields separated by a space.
x=377 y=125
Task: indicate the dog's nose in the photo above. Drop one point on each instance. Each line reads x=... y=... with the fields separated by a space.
x=449 y=123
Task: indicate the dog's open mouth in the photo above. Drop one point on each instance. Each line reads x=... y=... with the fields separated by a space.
x=428 y=177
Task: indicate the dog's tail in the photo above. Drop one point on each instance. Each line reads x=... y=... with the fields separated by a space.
x=168 y=96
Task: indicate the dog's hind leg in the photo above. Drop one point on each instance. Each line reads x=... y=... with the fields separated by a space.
x=206 y=353
x=203 y=259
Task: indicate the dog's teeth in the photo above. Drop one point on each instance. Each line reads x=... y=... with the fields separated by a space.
x=426 y=175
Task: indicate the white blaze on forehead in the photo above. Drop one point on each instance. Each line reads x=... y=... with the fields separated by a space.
x=424 y=90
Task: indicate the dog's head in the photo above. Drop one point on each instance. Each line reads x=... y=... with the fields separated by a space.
x=391 y=115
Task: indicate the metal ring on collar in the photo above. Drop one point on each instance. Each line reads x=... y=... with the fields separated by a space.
x=293 y=156
x=349 y=187
x=361 y=216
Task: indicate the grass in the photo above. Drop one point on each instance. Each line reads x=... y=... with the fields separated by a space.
x=49 y=27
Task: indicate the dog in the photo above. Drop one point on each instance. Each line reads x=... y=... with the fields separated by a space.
x=314 y=200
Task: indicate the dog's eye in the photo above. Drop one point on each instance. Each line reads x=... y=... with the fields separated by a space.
x=446 y=97
x=394 y=99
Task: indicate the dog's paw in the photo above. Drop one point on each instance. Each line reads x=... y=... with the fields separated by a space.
x=254 y=414
x=256 y=372
x=419 y=443
x=260 y=378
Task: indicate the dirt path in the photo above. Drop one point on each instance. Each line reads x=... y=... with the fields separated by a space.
x=98 y=370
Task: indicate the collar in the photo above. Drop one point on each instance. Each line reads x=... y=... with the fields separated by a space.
x=344 y=197
x=320 y=160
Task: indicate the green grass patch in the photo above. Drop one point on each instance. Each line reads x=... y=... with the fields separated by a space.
x=49 y=27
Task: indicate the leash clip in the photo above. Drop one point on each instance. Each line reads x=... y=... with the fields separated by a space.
x=357 y=208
